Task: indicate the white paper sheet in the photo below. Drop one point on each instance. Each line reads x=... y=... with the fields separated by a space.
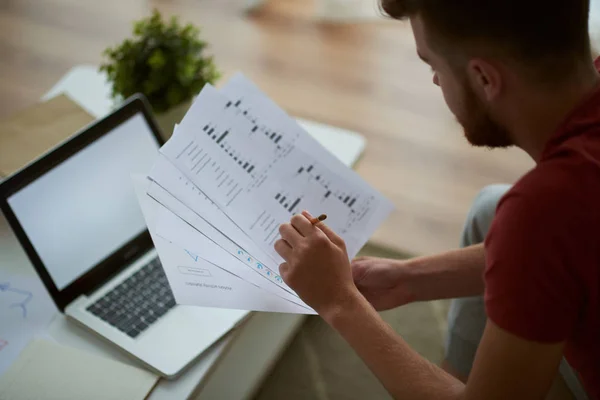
x=185 y=236
x=46 y=370
x=195 y=281
x=184 y=199
x=235 y=169
x=260 y=178
x=257 y=105
x=26 y=309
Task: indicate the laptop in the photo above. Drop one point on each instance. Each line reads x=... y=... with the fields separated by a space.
x=75 y=213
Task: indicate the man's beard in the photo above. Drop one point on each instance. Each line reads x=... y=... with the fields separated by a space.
x=479 y=127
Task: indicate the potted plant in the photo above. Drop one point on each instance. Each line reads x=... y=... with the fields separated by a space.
x=164 y=61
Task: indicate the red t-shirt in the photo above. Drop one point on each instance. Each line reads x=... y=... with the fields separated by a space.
x=543 y=250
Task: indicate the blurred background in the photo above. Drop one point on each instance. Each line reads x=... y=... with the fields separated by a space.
x=336 y=62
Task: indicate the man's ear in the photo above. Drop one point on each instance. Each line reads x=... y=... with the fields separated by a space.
x=485 y=78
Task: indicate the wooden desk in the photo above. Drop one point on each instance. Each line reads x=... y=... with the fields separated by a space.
x=363 y=77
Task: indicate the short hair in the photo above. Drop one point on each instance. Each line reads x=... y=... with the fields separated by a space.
x=530 y=31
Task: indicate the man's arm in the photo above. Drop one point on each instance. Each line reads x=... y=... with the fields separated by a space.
x=403 y=372
x=457 y=273
x=391 y=283
x=506 y=367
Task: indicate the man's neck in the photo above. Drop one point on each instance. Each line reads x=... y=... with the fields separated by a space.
x=540 y=112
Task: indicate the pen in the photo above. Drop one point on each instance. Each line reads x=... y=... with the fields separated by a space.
x=320 y=218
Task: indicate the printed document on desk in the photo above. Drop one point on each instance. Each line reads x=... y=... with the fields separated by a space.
x=235 y=169
x=26 y=310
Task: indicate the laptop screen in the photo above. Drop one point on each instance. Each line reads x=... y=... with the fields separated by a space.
x=84 y=209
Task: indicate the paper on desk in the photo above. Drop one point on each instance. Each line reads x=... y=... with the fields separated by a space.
x=26 y=309
x=195 y=281
x=81 y=376
x=259 y=177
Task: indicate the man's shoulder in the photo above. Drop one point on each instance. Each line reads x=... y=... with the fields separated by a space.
x=555 y=202
x=567 y=182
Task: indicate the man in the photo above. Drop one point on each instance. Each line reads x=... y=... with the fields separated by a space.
x=513 y=73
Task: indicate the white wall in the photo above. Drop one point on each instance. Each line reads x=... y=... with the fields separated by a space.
x=347 y=10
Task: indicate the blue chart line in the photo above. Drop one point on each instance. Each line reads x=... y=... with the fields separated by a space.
x=260 y=267
x=194 y=256
x=5 y=287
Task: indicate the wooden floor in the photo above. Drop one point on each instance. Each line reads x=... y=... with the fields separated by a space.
x=364 y=77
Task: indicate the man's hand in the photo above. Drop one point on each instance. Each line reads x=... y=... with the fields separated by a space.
x=392 y=283
x=316 y=264
x=384 y=282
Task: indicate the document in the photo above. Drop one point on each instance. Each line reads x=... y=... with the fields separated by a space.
x=188 y=238
x=260 y=178
x=184 y=199
x=26 y=309
x=196 y=281
x=235 y=169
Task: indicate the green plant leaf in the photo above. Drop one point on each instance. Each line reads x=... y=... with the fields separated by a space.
x=163 y=60
x=156 y=59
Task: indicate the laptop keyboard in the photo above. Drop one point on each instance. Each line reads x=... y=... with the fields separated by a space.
x=137 y=302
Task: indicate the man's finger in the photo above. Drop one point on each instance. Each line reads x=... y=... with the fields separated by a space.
x=302 y=225
x=338 y=241
x=307 y=215
x=290 y=234
x=283 y=249
x=361 y=259
x=284 y=270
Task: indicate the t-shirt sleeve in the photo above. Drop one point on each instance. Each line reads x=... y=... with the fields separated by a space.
x=532 y=288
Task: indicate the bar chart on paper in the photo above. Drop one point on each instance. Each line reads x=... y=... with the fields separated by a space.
x=308 y=189
x=291 y=202
x=278 y=169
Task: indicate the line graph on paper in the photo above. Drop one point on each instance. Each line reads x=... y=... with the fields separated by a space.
x=22 y=299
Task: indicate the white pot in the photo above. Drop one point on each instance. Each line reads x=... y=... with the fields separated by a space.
x=168 y=119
